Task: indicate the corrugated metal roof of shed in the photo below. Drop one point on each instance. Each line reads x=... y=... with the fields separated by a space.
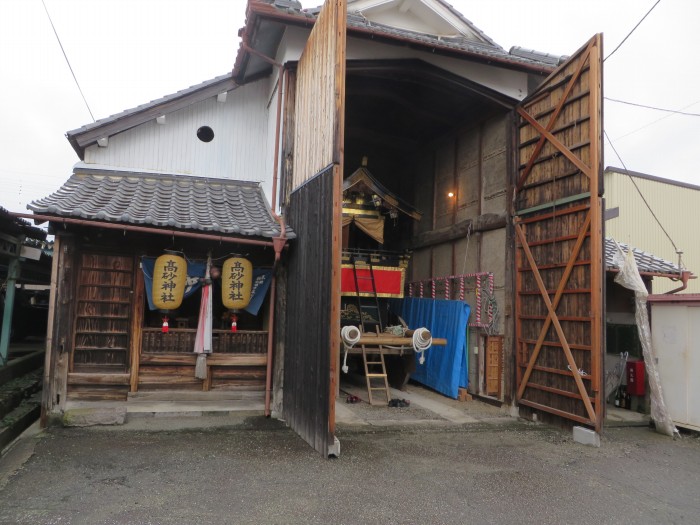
x=174 y=201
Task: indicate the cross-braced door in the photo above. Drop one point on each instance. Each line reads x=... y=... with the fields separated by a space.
x=558 y=239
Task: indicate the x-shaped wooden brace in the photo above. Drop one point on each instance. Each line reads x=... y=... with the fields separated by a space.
x=545 y=133
x=552 y=315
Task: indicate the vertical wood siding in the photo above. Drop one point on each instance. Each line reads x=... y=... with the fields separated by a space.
x=308 y=320
x=239 y=150
x=320 y=95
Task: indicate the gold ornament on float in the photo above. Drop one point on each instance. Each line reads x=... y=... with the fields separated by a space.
x=236 y=282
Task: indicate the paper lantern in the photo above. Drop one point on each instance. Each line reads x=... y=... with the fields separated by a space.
x=169 y=278
x=236 y=282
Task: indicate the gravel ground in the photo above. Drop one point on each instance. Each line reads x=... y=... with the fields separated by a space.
x=494 y=473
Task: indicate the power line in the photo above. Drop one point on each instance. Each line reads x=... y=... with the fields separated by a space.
x=676 y=111
x=67 y=61
x=642 y=195
x=630 y=33
x=652 y=122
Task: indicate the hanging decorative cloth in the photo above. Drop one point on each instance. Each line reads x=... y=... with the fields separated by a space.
x=202 y=342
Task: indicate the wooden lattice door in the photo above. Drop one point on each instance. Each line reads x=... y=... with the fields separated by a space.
x=103 y=314
x=559 y=245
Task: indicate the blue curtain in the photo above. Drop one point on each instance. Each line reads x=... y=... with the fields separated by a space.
x=262 y=278
x=446 y=367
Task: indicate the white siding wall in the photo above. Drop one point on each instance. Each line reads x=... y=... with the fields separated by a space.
x=675 y=206
x=239 y=149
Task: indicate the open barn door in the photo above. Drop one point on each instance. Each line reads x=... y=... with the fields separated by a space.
x=312 y=335
x=558 y=241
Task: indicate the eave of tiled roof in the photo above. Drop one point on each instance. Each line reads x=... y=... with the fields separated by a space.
x=647 y=263
x=181 y=202
x=488 y=52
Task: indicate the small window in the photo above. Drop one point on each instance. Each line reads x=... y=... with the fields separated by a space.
x=205 y=134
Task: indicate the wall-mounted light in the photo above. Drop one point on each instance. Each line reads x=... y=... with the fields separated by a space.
x=376 y=200
x=394 y=213
x=451 y=194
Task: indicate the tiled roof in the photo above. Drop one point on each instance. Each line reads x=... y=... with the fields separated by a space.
x=458 y=43
x=16 y=226
x=172 y=201
x=646 y=262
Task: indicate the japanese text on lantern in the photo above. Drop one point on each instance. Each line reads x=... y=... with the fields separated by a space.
x=169 y=281
x=235 y=281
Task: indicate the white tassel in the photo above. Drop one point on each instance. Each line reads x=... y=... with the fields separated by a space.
x=200 y=369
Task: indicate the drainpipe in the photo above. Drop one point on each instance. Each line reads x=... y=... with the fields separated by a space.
x=278 y=245
x=685 y=275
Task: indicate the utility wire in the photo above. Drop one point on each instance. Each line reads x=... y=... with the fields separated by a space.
x=642 y=195
x=676 y=111
x=68 y=61
x=630 y=33
x=652 y=122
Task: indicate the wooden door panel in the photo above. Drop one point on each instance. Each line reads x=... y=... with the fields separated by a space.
x=558 y=236
x=314 y=211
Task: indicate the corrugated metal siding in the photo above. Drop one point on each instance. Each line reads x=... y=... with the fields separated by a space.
x=239 y=149
x=673 y=205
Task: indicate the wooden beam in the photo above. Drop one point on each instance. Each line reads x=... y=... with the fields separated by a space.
x=557 y=412
x=212 y=359
x=75 y=378
x=486 y=222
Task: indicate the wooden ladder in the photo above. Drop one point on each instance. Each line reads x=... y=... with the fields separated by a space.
x=373 y=305
x=375 y=372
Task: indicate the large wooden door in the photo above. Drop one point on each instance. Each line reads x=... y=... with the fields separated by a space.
x=558 y=240
x=312 y=334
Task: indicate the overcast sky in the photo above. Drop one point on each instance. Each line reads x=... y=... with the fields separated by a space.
x=127 y=52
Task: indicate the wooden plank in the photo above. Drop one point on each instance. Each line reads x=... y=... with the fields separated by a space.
x=556 y=412
x=212 y=359
x=138 y=307
x=95 y=393
x=75 y=378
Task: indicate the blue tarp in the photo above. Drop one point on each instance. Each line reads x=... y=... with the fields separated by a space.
x=446 y=368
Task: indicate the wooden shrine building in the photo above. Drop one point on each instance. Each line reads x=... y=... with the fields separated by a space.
x=104 y=341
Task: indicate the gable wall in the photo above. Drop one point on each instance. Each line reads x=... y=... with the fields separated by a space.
x=239 y=149
x=511 y=83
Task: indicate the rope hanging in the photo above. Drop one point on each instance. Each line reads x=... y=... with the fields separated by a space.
x=350 y=336
x=422 y=340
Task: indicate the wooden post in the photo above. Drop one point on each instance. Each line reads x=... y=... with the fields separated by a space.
x=137 y=309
